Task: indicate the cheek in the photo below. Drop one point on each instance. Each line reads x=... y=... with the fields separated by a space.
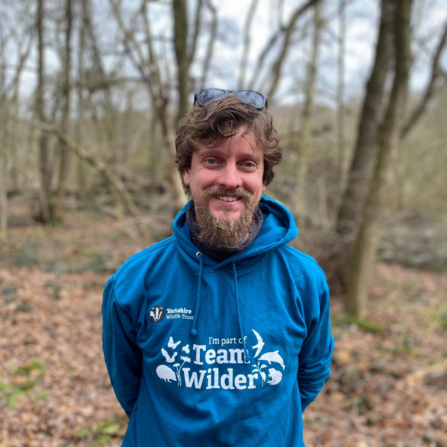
x=257 y=187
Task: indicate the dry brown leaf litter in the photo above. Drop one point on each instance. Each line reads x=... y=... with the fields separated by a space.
x=386 y=389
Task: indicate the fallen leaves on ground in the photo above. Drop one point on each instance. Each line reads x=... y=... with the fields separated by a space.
x=386 y=388
x=389 y=388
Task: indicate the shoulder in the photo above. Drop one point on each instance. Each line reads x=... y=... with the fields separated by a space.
x=305 y=269
x=136 y=263
x=127 y=285
x=310 y=282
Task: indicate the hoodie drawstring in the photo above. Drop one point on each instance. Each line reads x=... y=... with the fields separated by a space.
x=247 y=354
x=199 y=286
x=196 y=312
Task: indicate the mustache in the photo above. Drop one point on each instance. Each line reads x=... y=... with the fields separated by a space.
x=222 y=191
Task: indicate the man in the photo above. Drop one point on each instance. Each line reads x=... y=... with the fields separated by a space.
x=219 y=335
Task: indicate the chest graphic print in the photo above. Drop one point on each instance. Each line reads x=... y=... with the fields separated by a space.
x=265 y=369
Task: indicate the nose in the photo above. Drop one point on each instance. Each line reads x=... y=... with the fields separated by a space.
x=230 y=176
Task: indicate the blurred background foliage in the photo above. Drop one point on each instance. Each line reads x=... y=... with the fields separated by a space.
x=91 y=93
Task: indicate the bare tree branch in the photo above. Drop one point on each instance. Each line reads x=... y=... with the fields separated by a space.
x=24 y=54
x=86 y=14
x=154 y=66
x=277 y=66
x=130 y=44
x=262 y=56
x=247 y=28
x=197 y=26
x=181 y=54
x=158 y=89
x=435 y=73
x=210 y=45
x=94 y=161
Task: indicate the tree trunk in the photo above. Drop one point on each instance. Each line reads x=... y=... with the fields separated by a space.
x=3 y=144
x=4 y=181
x=46 y=204
x=304 y=142
x=341 y=90
x=13 y=105
x=246 y=49
x=126 y=133
x=81 y=168
x=365 y=250
x=66 y=91
x=181 y=52
x=352 y=205
x=210 y=44
x=177 y=186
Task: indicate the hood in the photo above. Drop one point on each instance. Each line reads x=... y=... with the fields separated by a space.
x=278 y=229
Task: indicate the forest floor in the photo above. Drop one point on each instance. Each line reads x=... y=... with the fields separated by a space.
x=388 y=385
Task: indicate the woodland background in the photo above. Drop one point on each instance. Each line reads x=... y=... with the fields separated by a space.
x=91 y=92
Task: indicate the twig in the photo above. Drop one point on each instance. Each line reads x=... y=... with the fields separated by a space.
x=94 y=161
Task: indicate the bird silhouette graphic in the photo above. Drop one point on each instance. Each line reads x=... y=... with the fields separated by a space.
x=260 y=344
x=167 y=357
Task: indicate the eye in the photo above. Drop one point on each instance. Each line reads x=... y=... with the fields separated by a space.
x=211 y=161
x=248 y=164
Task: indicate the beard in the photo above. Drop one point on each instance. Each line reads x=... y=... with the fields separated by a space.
x=225 y=233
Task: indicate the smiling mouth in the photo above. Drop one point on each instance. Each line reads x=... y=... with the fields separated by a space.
x=227 y=198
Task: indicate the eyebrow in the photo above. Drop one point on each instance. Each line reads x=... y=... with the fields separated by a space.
x=213 y=151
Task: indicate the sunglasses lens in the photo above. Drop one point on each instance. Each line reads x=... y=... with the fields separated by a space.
x=254 y=98
x=210 y=95
x=257 y=100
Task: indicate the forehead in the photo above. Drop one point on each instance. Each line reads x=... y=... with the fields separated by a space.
x=243 y=143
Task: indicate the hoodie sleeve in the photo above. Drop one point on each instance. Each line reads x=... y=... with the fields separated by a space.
x=315 y=355
x=122 y=355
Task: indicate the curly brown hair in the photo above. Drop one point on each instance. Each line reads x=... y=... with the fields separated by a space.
x=221 y=119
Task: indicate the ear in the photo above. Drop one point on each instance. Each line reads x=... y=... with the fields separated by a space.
x=186 y=173
x=263 y=187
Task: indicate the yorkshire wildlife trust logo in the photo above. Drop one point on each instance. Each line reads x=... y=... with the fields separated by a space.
x=157 y=314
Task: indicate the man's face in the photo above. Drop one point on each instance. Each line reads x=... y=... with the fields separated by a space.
x=226 y=180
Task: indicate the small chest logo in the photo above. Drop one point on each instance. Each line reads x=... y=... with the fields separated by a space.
x=157 y=314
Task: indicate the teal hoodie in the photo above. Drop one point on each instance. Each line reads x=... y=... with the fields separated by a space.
x=201 y=353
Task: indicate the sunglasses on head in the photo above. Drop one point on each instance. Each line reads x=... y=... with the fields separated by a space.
x=257 y=100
